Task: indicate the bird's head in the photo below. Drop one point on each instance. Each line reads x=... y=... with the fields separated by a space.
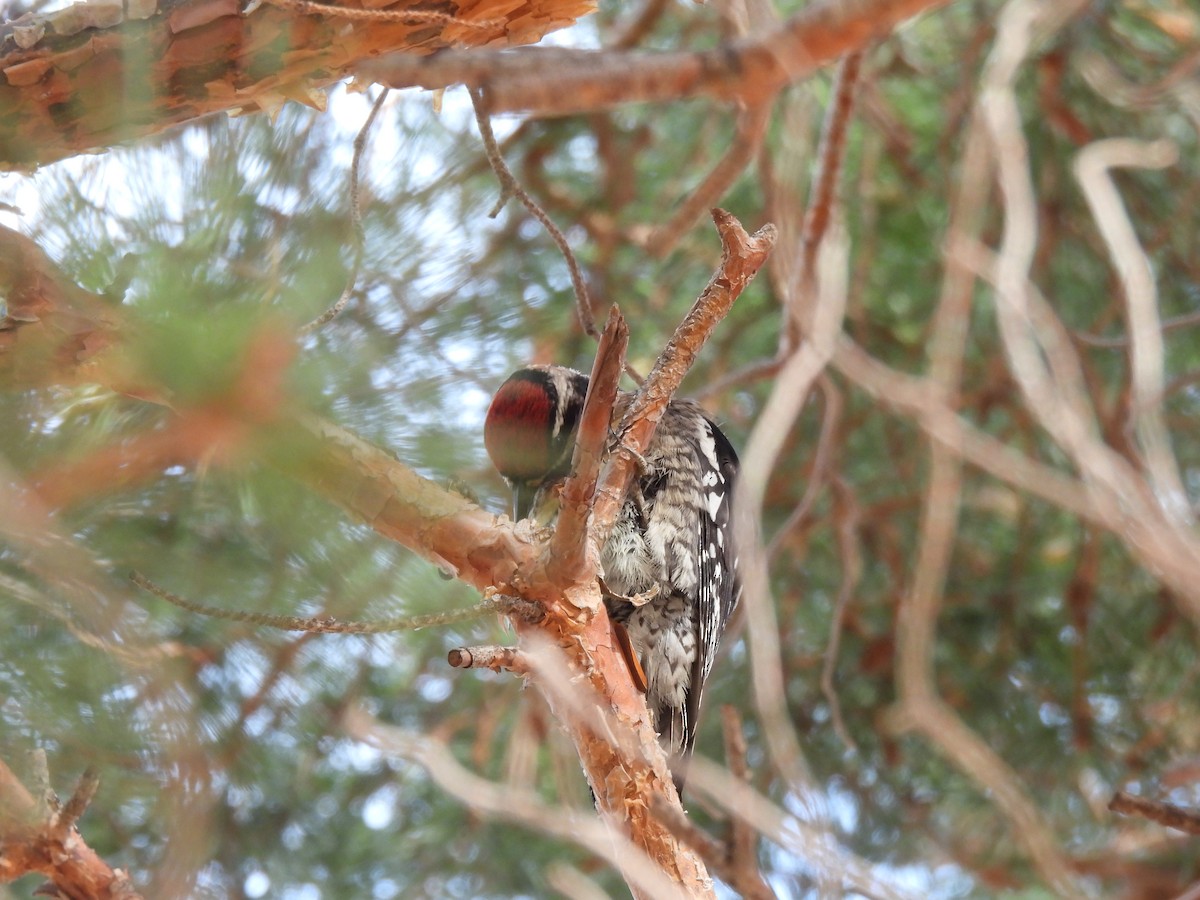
x=530 y=427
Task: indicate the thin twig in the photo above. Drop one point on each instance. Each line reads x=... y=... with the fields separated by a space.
x=742 y=843
x=847 y=516
x=324 y=624
x=831 y=153
x=1120 y=341
x=360 y=142
x=758 y=370
x=509 y=186
x=1166 y=814
x=511 y=804
x=1111 y=85
x=821 y=461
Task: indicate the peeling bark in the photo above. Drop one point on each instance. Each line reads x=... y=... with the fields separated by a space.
x=38 y=835
x=99 y=73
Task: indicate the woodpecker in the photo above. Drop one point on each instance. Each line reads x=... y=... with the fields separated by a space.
x=672 y=541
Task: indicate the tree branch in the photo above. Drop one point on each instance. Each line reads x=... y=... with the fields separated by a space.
x=198 y=57
x=569 y=548
x=40 y=838
x=510 y=187
x=743 y=255
x=557 y=82
x=508 y=803
x=498 y=659
x=328 y=624
x=478 y=547
x=1165 y=814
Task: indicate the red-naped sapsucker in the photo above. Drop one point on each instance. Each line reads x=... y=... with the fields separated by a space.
x=672 y=539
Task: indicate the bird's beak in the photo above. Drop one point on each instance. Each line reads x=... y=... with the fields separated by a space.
x=523 y=493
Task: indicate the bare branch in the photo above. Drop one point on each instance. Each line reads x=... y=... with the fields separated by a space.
x=510 y=804
x=509 y=186
x=743 y=840
x=1092 y=169
x=1116 y=342
x=360 y=143
x=572 y=883
x=559 y=82
x=324 y=624
x=734 y=860
x=915 y=397
x=822 y=200
x=1165 y=814
x=81 y=799
x=742 y=256
x=817 y=847
x=830 y=419
x=498 y=659
x=846 y=514
x=480 y=548
x=779 y=413
x=569 y=548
